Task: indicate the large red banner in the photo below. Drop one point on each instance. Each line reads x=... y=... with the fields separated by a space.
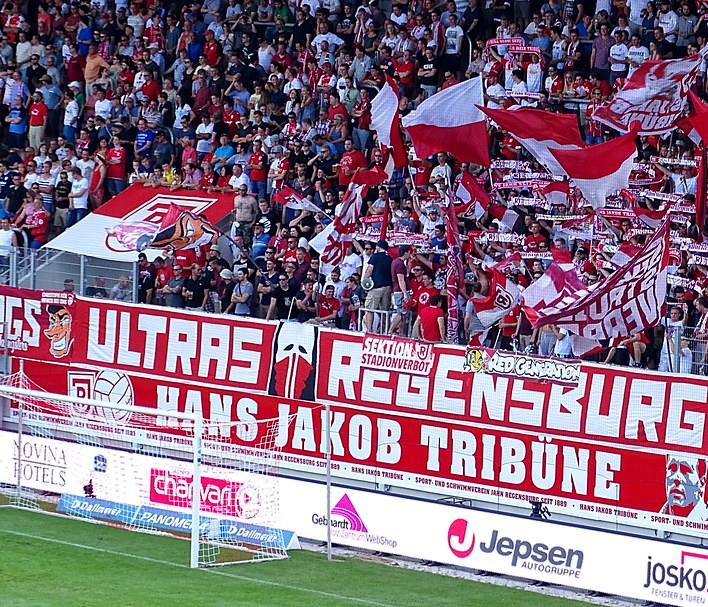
x=622 y=445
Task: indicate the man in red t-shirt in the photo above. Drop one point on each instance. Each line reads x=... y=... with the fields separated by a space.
x=37 y=120
x=535 y=237
x=150 y=88
x=164 y=273
x=212 y=48
x=115 y=176
x=593 y=129
x=352 y=159
x=430 y=324
x=328 y=307
x=39 y=227
x=424 y=294
x=258 y=167
x=231 y=116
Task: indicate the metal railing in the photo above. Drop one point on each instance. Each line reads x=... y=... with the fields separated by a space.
x=50 y=270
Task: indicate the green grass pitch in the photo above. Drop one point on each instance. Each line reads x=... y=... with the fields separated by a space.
x=54 y=561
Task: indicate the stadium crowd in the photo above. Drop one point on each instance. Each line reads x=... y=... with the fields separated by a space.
x=248 y=97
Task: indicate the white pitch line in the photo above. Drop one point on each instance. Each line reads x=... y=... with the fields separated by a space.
x=234 y=576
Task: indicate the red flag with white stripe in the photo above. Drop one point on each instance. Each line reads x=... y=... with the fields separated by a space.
x=650 y=218
x=557 y=192
x=455 y=275
x=450 y=121
x=538 y=130
x=385 y=120
x=599 y=170
x=291 y=199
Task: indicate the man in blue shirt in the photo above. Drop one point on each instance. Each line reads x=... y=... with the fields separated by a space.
x=52 y=96
x=143 y=139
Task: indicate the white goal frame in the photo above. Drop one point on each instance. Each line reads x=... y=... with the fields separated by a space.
x=10 y=391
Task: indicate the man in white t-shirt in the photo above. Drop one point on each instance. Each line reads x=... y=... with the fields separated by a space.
x=618 y=59
x=635 y=14
x=205 y=133
x=495 y=94
x=78 y=198
x=102 y=104
x=668 y=21
x=636 y=54
x=453 y=45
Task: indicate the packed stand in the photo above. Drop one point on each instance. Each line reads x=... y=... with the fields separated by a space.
x=250 y=97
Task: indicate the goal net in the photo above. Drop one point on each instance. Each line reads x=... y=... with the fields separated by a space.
x=214 y=483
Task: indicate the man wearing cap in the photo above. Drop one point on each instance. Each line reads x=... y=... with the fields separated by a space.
x=379 y=296
x=260 y=240
x=279 y=167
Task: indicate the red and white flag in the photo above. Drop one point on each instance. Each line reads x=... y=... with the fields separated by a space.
x=470 y=194
x=369 y=177
x=653 y=96
x=557 y=193
x=631 y=300
x=455 y=275
x=599 y=170
x=503 y=296
x=651 y=219
x=558 y=283
x=512 y=262
x=333 y=243
x=699 y=120
x=291 y=199
x=450 y=121
x=385 y=120
x=538 y=130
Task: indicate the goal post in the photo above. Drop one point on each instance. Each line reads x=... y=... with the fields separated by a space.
x=144 y=469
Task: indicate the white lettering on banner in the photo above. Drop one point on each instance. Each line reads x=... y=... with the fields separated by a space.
x=510 y=464
x=521 y=365
x=190 y=347
x=631 y=301
x=598 y=405
x=577 y=446
x=20 y=317
x=408 y=356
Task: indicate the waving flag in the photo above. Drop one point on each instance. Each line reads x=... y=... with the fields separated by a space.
x=455 y=275
x=385 y=120
x=699 y=121
x=450 y=121
x=470 y=194
x=291 y=199
x=600 y=170
x=557 y=193
x=333 y=243
x=503 y=296
x=653 y=96
x=538 y=130
x=631 y=300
